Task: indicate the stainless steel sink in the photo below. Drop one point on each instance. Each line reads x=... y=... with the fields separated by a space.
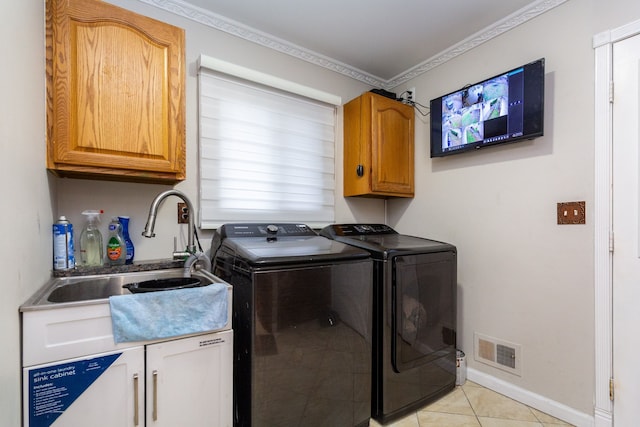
x=95 y=289
x=98 y=288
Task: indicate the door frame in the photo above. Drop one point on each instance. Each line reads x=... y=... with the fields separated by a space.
x=603 y=211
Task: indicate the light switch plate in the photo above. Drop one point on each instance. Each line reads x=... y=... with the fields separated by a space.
x=571 y=213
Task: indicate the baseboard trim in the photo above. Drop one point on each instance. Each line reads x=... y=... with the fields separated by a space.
x=603 y=418
x=534 y=400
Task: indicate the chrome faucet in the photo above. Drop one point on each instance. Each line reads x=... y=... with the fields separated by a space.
x=151 y=221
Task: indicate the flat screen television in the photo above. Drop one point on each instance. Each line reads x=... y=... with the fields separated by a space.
x=505 y=108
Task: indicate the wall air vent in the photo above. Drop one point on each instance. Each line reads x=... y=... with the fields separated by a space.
x=506 y=356
x=498 y=353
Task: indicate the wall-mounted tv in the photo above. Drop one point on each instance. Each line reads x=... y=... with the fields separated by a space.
x=505 y=108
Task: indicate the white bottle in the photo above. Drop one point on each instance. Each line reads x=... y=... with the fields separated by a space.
x=116 y=246
x=91 y=246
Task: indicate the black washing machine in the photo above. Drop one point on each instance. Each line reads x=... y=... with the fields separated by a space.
x=414 y=329
x=302 y=323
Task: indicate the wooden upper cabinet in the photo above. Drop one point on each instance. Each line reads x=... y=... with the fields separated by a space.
x=378 y=147
x=115 y=94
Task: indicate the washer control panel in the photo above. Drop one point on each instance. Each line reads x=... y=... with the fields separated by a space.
x=266 y=230
x=358 y=229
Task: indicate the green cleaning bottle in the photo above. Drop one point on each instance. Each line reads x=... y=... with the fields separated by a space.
x=116 y=246
x=91 y=248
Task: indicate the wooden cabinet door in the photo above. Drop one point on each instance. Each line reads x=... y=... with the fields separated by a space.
x=115 y=94
x=378 y=147
x=392 y=146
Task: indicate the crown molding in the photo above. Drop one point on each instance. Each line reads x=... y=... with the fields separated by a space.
x=518 y=18
x=238 y=29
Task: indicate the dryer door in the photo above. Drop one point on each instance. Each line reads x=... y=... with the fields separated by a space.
x=424 y=308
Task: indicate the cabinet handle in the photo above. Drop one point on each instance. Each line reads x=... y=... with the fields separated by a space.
x=360 y=170
x=155 y=395
x=135 y=399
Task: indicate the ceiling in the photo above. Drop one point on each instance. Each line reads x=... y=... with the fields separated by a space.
x=380 y=42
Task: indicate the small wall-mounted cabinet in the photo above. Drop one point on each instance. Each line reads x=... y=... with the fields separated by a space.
x=378 y=147
x=115 y=94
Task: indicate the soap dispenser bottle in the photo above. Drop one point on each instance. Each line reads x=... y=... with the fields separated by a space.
x=124 y=221
x=116 y=246
x=91 y=247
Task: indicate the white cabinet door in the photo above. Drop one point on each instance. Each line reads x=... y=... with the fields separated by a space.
x=190 y=381
x=99 y=391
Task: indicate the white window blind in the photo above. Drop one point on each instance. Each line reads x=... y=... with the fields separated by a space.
x=265 y=155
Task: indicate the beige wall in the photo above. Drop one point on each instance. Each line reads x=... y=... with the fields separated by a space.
x=523 y=278
x=26 y=241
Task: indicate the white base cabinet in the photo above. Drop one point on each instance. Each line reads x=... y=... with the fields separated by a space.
x=188 y=383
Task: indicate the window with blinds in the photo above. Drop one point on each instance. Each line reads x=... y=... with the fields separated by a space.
x=266 y=155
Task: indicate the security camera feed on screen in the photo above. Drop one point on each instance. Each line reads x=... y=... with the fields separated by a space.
x=504 y=108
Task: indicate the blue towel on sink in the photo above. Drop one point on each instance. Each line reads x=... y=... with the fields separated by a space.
x=164 y=314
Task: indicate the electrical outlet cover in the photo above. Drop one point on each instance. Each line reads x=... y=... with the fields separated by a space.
x=183 y=213
x=413 y=93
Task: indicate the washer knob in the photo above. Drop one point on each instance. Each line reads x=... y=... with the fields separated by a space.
x=272 y=230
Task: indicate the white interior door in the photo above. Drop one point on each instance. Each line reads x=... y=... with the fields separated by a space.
x=626 y=255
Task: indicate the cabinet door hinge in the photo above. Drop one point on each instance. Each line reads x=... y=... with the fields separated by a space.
x=611 y=92
x=611 y=242
x=611 y=388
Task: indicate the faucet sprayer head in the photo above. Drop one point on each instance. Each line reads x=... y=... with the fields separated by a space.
x=148 y=228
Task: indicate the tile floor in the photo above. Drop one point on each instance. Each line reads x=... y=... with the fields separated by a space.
x=472 y=405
